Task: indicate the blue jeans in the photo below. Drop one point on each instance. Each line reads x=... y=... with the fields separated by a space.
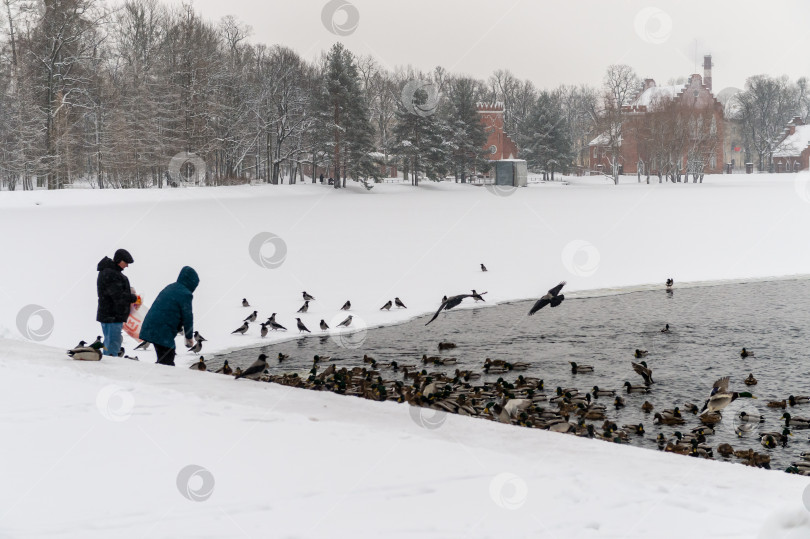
x=112 y=338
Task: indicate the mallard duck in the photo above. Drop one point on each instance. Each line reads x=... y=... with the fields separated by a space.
x=580 y=369
x=636 y=389
x=745 y=353
x=618 y=402
x=750 y=381
x=225 y=368
x=561 y=426
x=801 y=399
x=495 y=366
x=665 y=329
x=199 y=366
x=768 y=441
x=777 y=404
x=780 y=437
x=725 y=450
x=672 y=413
x=662 y=420
x=282 y=357
x=518 y=366
x=318 y=359
x=603 y=392
x=647 y=407
x=645 y=372
x=691 y=408
x=748 y=418
x=796 y=422
x=85 y=353
x=635 y=429
x=589 y=413
x=640 y=353
x=710 y=418
x=720 y=396
x=446 y=346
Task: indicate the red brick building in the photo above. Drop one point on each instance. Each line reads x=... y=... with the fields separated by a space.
x=688 y=114
x=498 y=145
x=793 y=151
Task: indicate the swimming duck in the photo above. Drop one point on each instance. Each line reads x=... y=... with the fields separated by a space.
x=644 y=371
x=282 y=357
x=796 y=422
x=661 y=420
x=446 y=346
x=710 y=418
x=725 y=450
x=590 y=413
x=745 y=353
x=603 y=392
x=748 y=418
x=640 y=353
x=580 y=369
x=618 y=402
x=672 y=413
x=647 y=407
x=777 y=404
x=801 y=399
x=665 y=329
x=635 y=429
x=636 y=389
x=750 y=381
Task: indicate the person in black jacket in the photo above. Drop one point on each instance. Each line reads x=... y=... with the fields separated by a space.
x=114 y=299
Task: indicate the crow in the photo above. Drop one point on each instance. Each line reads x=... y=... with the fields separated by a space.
x=398 y=303
x=449 y=303
x=553 y=297
x=301 y=327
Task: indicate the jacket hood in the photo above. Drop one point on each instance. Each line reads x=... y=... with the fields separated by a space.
x=188 y=278
x=105 y=263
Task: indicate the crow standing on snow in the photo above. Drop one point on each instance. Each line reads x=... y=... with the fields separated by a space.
x=264 y=330
x=245 y=303
x=346 y=323
x=483 y=267
x=553 y=297
x=301 y=327
x=387 y=306
x=252 y=317
x=346 y=306
x=324 y=325
x=398 y=303
x=305 y=307
x=449 y=303
x=241 y=329
x=307 y=297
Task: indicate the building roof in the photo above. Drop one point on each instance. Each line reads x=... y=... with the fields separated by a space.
x=656 y=94
x=794 y=144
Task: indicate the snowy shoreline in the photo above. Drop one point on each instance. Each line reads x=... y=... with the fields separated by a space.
x=105 y=446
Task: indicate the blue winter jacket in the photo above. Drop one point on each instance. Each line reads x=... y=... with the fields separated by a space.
x=171 y=311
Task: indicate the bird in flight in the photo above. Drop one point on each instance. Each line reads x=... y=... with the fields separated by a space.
x=449 y=303
x=553 y=297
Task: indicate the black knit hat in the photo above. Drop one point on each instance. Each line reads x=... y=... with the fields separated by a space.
x=122 y=255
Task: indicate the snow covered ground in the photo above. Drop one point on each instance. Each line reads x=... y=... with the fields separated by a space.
x=104 y=449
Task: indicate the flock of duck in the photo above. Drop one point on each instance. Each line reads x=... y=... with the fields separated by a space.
x=522 y=400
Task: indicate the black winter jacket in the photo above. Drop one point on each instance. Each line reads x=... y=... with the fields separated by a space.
x=114 y=294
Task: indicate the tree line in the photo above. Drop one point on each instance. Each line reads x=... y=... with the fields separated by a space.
x=109 y=96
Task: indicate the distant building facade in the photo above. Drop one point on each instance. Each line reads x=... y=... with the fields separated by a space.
x=793 y=151
x=498 y=145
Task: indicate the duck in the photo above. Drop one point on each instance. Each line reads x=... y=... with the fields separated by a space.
x=710 y=418
x=670 y=282
x=725 y=450
x=745 y=353
x=647 y=407
x=590 y=413
x=580 y=369
x=801 y=399
x=618 y=402
x=636 y=389
x=518 y=366
x=645 y=372
x=200 y=365
x=640 y=353
x=282 y=357
x=721 y=397
x=691 y=408
x=777 y=404
x=676 y=412
x=635 y=429
x=603 y=392
x=225 y=368
x=85 y=353
x=665 y=329
x=750 y=381
x=796 y=422
x=662 y=420
x=446 y=346
x=749 y=418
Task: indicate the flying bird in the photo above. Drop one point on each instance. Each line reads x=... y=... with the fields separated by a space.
x=477 y=297
x=553 y=297
x=387 y=306
x=346 y=323
x=301 y=327
x=241 y=329
x=346 y=306
x=305 y=307
x=255 y=371
x=324 y=325
x=483 y=267
x=252 y=317
x=398 y=303
x=449 y=303
x=307 y=297
x=245 y=303
x=644 y=371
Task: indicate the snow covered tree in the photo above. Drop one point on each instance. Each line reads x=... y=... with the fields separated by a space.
x=546 y=143
x=466 y=135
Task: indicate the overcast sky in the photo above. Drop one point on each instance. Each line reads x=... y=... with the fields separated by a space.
x=548 y=42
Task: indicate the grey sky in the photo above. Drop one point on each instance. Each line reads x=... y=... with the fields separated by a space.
x=549 y=42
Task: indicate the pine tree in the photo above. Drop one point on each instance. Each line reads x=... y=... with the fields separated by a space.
x=466 y=132
x=419 y=140
x=546 y=143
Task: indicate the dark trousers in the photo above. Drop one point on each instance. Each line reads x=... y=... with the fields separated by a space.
x=165 y=356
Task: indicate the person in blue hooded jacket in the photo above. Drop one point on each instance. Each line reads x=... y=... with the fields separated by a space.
x=170 y=313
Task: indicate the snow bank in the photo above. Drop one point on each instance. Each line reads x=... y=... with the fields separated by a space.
x=105 y=448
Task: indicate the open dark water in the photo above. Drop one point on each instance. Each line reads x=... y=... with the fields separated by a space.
x=709 y=326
